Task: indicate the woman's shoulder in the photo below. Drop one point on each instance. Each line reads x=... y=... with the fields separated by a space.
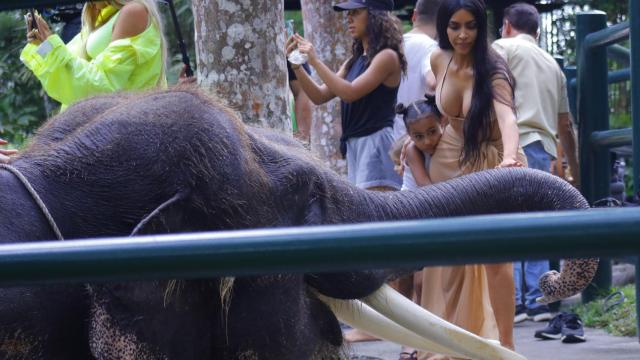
x=386 y=57
x=387 y=54
x=133 y=19
x=134 y=9
x=439 y=56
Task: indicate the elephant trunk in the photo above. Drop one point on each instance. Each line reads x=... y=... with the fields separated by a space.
x=486 y=192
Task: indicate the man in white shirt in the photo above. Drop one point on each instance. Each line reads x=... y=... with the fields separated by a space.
x=542 y=112
x=418 y=45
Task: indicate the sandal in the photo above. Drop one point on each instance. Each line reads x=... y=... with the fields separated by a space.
x=408 y=355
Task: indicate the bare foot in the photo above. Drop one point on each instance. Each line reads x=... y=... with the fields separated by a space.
x=355 y=335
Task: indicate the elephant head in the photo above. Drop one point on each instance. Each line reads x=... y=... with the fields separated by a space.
x=106 y=163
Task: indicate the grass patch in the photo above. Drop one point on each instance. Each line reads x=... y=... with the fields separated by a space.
x=619 y=320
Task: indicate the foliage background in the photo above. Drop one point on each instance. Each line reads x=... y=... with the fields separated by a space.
x=21 y=97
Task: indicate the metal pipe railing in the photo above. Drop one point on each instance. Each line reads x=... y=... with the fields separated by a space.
x=634 y=21
x=607 y=36
x=409 y=244
x=619 y=54
x=592 y=37
x=611 y=138
x=613 y=77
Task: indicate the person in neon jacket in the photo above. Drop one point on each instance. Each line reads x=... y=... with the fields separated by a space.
x=120 y=47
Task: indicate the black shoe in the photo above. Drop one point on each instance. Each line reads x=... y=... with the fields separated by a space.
x=521 y=314
x=540 y=313
x=553 y=331
x=572 y=330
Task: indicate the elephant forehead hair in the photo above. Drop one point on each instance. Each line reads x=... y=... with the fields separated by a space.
x=159 y=128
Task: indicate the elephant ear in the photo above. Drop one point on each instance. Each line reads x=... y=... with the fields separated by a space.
x=575 y=276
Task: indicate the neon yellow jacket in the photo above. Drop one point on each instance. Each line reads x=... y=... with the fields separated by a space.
x=133 y=63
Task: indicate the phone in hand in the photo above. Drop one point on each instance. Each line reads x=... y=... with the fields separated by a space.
x=32 y=24
x=290 y=27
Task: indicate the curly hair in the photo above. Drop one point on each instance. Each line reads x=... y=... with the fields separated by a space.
x=384 y=31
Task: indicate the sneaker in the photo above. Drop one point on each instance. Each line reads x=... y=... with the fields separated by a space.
x=540 y=313
x=553 y=331
x=521 y=314
x=572 y=330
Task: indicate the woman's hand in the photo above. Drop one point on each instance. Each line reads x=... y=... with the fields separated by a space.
x=510 y=162
x=289 y=46
x=183 y=78
x=37 y=34
x=4 y=154
x=306 y=47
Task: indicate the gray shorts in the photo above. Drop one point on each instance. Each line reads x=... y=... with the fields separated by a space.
x=368 y=161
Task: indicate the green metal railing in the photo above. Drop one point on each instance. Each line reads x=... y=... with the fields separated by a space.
x=593 y=38
x=408 y=244
x=634 y=20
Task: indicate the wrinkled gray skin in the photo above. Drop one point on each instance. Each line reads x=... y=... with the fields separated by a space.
x=107 y=162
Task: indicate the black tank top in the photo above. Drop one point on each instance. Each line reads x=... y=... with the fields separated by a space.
x=370 y=113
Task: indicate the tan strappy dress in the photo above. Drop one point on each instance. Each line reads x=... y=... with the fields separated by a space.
x=459 y=294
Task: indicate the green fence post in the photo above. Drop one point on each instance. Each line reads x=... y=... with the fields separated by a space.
x=593 y=115
x=571 y=73
x=554 y=264
x=634 y=27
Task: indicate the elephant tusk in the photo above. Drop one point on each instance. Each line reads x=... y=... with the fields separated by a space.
x=361 y=316
x=405 y=313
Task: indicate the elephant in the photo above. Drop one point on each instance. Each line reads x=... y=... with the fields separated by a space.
x=106 y=163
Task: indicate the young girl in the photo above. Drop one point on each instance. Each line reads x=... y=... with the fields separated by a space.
x=423 y=122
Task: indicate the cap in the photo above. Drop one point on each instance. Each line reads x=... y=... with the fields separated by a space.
x=358 y=4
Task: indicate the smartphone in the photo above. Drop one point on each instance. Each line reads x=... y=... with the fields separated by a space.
x=290 y=27
x=33 y=24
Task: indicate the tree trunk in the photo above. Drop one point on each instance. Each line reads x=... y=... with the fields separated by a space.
x=240 y=56
x=327 y=31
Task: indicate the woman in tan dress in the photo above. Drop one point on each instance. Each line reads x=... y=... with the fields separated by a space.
x=474 y=90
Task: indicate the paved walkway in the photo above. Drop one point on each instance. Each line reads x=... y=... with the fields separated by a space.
x=599 y=345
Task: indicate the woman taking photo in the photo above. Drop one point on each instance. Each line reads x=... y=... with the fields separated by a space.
x=474 y=91
x=367 y=84
x=120 y=47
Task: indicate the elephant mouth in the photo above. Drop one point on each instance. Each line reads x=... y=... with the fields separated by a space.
x=388 y=315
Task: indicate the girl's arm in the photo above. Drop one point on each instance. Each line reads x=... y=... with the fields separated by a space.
x=319 y=94
x=383 y=66
x=415 y=161
x=507 y=123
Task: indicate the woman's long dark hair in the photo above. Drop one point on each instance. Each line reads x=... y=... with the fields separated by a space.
x=488 y=67
x=384 y=31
